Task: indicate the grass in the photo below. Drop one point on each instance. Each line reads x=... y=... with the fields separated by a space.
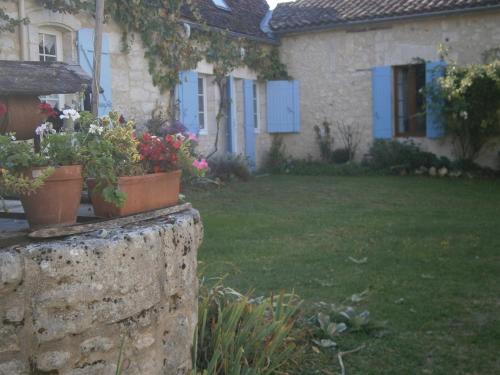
x=433 y=269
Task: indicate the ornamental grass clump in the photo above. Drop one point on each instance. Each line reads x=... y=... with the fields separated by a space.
x=239 y=335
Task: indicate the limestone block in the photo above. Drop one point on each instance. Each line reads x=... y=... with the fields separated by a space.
x=9 y=342
x=144 y=341
x=11 y=271
x=15 y=314
x=52 y=360
x=96 y=344
x=13 y=368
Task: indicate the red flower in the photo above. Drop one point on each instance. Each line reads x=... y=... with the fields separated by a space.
x=47 y=110
x=3 y=109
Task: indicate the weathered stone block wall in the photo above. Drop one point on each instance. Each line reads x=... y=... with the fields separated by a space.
x=334 y=70
x=67 y=306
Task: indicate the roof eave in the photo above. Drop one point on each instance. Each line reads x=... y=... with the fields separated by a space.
x=354 y=24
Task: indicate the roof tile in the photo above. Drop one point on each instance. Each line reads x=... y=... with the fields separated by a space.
x=303 y=14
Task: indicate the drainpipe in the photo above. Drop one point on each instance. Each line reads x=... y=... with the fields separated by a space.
x=23 y=32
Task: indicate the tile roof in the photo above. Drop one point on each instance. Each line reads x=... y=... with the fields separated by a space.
x=310 y=14
x=244 y=16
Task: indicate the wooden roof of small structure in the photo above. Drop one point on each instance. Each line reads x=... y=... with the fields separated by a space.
x=41 y=78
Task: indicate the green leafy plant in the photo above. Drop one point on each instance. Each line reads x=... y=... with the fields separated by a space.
x=109 y=151
x=240 y=335
x=468 y=101
x=276 y=158
x=227 y=166
x=17 y=158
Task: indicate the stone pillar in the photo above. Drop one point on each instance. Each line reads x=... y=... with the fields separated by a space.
x=68 y=306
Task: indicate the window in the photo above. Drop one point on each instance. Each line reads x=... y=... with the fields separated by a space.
x=50 y=50
x=409 y=102
x=221 y=4
x=202 y=107
x=255 y=106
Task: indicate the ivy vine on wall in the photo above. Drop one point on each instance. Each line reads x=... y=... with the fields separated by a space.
x=170 y=47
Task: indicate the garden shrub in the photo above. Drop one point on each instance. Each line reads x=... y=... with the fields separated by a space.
x=276 y=159
x=341 y=156
x=227 y=166
x=387 y=154
x=468 y=100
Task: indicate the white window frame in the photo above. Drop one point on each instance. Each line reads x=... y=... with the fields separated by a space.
x=203 y=131
x=59 y=57
x=256 y=101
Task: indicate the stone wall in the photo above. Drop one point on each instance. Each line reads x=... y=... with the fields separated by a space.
x=68 y=306
x=334 y=69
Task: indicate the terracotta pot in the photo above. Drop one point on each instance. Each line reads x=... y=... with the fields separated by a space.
x=56 y=203
x=144 y=193
x=23 y=116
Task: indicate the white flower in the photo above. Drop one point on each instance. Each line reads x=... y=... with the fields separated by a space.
x=70 y=113
x=96 y=129
x=45 y=128
x=180 y=137
x=464 y=115
x=12 y=138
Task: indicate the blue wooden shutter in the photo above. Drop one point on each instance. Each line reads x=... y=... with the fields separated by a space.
x=231 y=116
x=283 y=107
x=433 y=70
x=249 y=121
x=188 y=101
x=86 y=58
x=382 y=102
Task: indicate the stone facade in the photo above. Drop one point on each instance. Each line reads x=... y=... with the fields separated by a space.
x=68 y=306
x=334 y=70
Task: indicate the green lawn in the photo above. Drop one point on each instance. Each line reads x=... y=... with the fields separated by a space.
x=433 y=242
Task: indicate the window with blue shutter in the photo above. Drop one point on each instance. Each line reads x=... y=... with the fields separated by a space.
x=249 y=93
x=187 y=94
x=434 y=70
x=283 y=107
x=86 y=58
x=382 y=102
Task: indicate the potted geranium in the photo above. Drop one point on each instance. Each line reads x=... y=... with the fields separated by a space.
x=130 y=174
x=48 y=182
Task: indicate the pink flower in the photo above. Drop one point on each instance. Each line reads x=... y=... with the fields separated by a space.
x=200 y=165
x=193 y=137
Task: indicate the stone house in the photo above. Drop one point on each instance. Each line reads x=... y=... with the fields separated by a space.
x=126 y=81
x=358 y=61
x=364 y=61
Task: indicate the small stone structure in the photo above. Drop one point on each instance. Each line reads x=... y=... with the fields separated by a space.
x=68 y=306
